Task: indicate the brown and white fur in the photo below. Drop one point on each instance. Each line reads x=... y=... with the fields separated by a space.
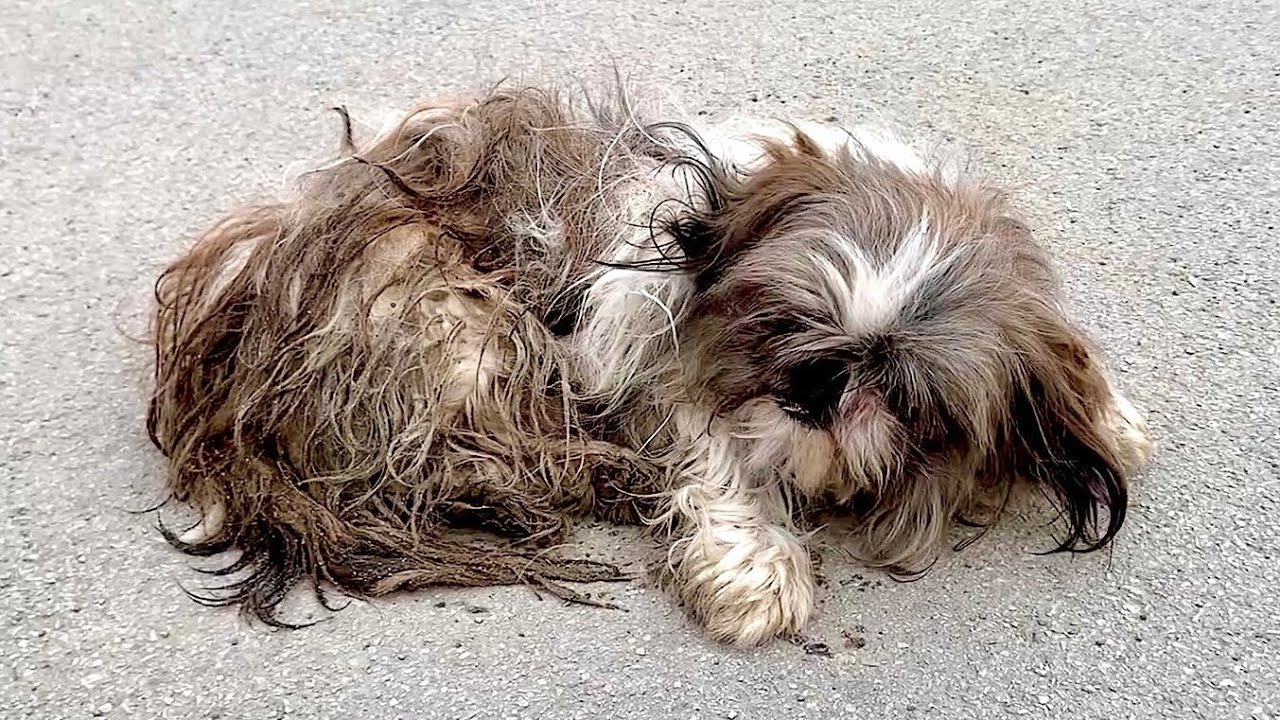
x=508 y=309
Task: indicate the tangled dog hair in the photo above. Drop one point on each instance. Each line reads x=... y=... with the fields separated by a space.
x=506 y=310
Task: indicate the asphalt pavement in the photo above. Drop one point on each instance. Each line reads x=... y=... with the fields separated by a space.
x=1143 y=138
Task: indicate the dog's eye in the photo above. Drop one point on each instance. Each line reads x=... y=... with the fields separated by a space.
x=814 y=389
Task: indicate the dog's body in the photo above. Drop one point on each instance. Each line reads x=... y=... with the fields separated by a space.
x=505 y=310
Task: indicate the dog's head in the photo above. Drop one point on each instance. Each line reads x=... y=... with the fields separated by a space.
x=887 y=332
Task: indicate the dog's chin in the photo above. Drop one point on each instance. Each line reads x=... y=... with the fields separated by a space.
x=868 y=436
x=855 y=455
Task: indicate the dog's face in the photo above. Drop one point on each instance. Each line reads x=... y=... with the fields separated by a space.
x=893 y=336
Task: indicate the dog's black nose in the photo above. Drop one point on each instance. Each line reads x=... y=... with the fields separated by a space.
x=814 y=390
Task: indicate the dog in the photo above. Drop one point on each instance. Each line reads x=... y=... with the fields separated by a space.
x=506 y=310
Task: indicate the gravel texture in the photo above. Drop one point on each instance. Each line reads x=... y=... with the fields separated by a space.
x=1144 y=140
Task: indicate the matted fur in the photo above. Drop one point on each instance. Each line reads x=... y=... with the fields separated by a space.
x=512 y=308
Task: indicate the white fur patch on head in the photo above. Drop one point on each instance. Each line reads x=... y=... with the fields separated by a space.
x=885 y=145
x=868 y=295
x=739 y=142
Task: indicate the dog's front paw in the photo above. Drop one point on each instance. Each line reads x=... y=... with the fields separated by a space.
x=747 y=585
x=1132 y=437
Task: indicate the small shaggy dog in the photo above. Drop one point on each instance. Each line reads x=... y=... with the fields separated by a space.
x=505 y=310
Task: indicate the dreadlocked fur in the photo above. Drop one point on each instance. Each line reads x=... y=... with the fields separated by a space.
x=507 y=310
x=341 y=375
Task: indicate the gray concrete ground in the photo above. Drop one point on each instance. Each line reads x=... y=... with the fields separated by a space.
x=1142 y=136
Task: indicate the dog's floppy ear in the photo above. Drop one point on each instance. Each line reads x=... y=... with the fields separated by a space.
x=1061 y=436
x=699 y=230
x=737 y=209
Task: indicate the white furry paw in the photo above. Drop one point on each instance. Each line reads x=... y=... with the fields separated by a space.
x=1132 y=436
x=210 y=524
x=747 y=586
